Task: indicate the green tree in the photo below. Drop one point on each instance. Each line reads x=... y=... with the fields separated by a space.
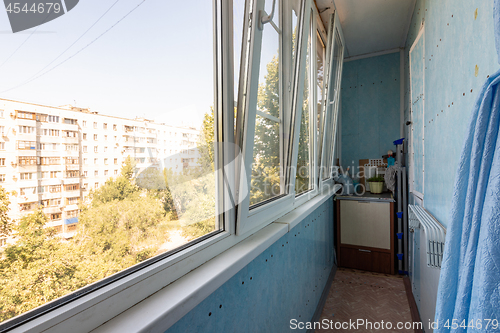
x=36 y=269
x=5 y=223
x=266 y=152
x=117 y=189
x=206 y=141
x=302 y=180
x=119 y=234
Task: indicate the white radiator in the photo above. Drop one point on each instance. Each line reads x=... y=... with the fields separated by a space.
x=434 y=231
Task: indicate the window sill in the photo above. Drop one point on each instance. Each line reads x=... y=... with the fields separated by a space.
x=164 y=308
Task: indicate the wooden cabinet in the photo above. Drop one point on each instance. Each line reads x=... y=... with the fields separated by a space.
x=365 y=235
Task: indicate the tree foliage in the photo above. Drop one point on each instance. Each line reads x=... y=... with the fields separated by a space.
x=36 y=269
x=5 y=223
x=265 y=181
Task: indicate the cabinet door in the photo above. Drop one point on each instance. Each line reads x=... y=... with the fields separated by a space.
x=365 y=223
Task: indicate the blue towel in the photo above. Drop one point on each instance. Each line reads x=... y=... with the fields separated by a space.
x=469 y=285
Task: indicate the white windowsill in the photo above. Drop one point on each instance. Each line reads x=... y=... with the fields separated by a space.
x=164 y=308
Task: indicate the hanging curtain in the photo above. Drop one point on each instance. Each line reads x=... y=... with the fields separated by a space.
x=469 y=285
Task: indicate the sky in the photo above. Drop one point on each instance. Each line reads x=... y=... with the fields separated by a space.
x=156 y=63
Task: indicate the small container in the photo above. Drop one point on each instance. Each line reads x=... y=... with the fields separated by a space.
x=376 y=187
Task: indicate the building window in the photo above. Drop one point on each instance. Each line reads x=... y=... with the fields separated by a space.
x=71 y=160
x=114 y=128
x=26 y=145
x=72 y=213
x=96 y=185
x=95 y=137
x=25 y=115
x=1 y=113
x=116 y=172
x=27 y=160
x=70 y=121
x=85 y=161
x=84 y=149
x=26 y=129
x=26 y=176
x=50 y=132
x=55 y=216
x=105 y=138
x=105 y=149
x=95 y=125
x=2 y=178
x=96 y=149
x=72 y=174
x=72 y=147
x=72 y=187
x=106 y=161
x=2 y=161
x=95 y=160
x=104 y=126
x=105 y=172
x=27 y=190
x=84 y=123
x=2 y=145
x=84 y=136
x=53 y=119
x=115 y=161
x=96 y=173
x=85 y=173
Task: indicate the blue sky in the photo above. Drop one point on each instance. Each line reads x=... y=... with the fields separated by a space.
x=156 y=63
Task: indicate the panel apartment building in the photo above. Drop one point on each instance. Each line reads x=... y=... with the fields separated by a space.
x=53 y=156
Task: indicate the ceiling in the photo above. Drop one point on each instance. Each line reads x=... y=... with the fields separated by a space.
x=370 y=26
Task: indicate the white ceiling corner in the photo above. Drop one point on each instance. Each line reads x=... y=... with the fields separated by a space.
x=371 y=26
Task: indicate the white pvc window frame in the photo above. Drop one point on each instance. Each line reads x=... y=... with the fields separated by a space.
x=332 y=83
x=87 y=311
x=91 y=310
x=251 y=218
x=317 y=31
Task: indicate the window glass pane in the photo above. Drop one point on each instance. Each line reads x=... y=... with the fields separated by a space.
x=295 y=4
x=303 y=181
x=331 y=123
x=266 y=167
x=266 y=180
x=143 y=97
x=320 y=59
x=238 y=16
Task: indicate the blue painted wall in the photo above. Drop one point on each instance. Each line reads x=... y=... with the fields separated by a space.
x=370 y=107
x=284 y=282
x=456 y=40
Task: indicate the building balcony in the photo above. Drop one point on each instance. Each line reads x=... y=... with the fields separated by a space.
x=71 y=167
x=69 y=139
x=52 y=209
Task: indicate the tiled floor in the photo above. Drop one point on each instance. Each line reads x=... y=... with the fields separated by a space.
x=367 y=296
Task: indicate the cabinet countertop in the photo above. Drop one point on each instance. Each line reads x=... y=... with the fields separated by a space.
x=367 y=196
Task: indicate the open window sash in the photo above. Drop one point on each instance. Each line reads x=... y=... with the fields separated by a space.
x=254 y=213
x=329 y=119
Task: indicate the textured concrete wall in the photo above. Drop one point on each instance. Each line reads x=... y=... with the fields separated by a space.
x=370 y=107
x=459 y=55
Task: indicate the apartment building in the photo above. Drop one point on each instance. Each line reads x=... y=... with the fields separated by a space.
x=53 y=156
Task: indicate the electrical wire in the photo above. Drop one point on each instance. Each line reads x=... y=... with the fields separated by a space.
x=15 y=51
x=76 y=53
x=50 y=63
